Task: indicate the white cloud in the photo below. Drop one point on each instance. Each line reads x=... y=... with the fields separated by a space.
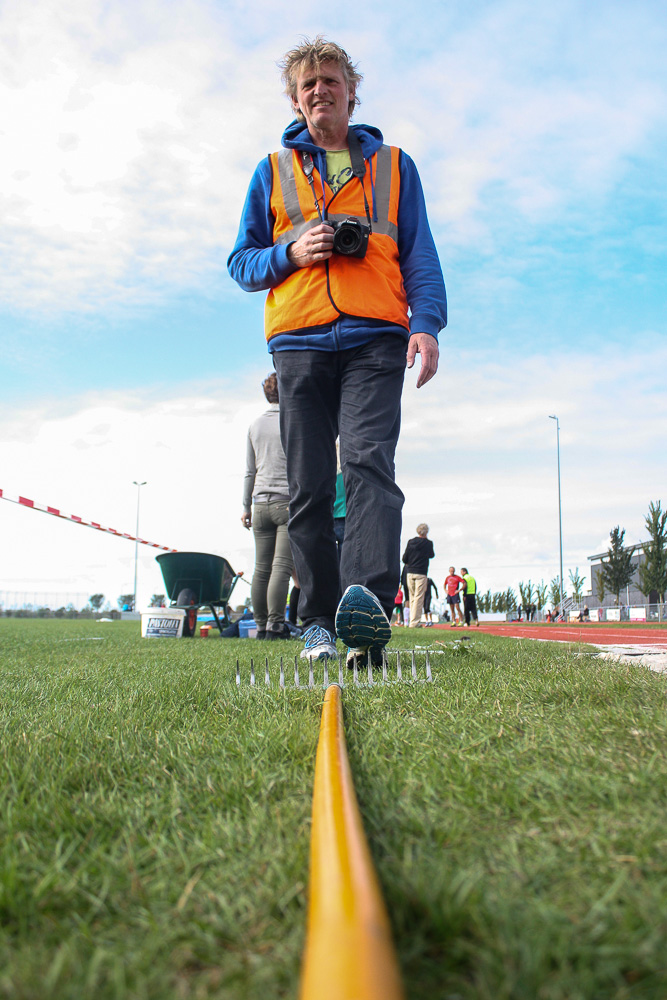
x=122 y=173
x=129 y=132
x=129 y=135
x=526 y=115
x=477 y=461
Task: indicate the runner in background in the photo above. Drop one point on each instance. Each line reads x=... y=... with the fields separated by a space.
x=398 y=607
x=469 y=597
x=452 y=585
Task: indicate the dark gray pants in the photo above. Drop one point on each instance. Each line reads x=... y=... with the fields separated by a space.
x=470 y=607
x=354 y=394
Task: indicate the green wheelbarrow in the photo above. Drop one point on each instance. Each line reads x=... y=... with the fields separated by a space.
x=198 y=579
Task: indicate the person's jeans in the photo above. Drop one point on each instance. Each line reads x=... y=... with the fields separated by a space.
x=273 y=564
x=354 y=394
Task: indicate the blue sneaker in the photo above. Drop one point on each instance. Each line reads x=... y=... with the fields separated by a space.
x=318 y=644
x=362 y=624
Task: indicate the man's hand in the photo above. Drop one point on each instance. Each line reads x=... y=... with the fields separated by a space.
x=246 y=519
x=427 y=346
x=313 y=246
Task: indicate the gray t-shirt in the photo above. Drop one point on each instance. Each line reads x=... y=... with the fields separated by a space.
x=266 y=465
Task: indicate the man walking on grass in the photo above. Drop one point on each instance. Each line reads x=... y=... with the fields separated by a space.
x=334 y=228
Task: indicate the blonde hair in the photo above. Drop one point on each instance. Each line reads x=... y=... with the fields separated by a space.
x=422 y=529
x=314 y=54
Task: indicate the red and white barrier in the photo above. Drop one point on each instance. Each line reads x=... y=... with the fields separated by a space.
x=34 y=505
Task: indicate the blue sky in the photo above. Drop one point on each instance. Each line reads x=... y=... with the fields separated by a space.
x=129 y=135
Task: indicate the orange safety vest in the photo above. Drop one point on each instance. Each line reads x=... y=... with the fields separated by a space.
x=369 y=287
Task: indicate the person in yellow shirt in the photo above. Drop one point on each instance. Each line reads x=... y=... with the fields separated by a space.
x=469 y=597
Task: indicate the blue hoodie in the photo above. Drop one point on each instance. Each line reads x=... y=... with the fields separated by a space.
x=257 y=264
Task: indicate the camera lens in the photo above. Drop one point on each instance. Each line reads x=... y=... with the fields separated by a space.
x=348 y=240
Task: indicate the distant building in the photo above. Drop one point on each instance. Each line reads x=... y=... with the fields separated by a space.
x=630 y=595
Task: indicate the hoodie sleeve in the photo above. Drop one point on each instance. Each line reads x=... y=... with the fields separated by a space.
x=420 y=266
x=255 y=263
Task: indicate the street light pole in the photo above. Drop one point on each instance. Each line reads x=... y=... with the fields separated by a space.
x=560 y=518
x=136 y=544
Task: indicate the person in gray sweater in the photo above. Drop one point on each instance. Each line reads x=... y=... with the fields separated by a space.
x=266 y=510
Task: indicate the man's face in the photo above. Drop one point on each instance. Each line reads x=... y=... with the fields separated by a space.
x=323 y=96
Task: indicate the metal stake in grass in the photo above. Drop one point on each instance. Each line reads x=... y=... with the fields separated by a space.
x=358 y=678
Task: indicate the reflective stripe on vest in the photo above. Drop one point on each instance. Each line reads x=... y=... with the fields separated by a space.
x=369 y=287
x=382 y=178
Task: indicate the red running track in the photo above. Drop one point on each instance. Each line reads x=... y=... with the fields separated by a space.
x=603 y=634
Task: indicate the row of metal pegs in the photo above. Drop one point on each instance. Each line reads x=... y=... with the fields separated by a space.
x=400 y=672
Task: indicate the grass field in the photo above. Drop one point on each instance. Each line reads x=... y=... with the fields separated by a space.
x=155 y=819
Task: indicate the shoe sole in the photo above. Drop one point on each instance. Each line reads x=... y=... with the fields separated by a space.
x=360 y=623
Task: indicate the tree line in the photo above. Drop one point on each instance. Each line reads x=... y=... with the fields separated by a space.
x=124 y=601
x=616 y=573
x=94 y=607
x=617 y=569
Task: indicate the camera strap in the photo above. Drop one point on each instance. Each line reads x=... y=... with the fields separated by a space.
x=358 y=167
x=356 y=156
x=308 y=167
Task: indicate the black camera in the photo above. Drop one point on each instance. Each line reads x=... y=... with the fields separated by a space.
x=350 y=238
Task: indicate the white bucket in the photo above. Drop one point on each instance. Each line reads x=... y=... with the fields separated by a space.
x=162 y=623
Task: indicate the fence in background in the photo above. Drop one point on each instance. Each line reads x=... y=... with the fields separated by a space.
x=633 y=613
x=31 y=600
